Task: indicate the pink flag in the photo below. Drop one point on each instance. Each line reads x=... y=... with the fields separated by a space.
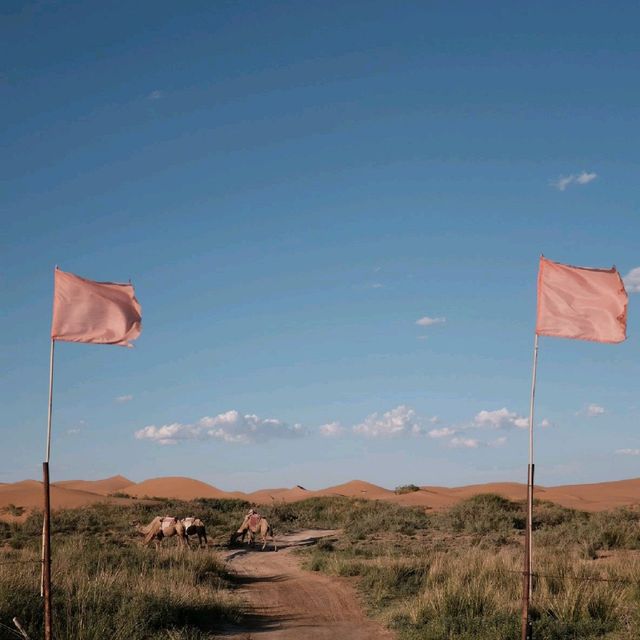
x=581 y=303
x=94 y=312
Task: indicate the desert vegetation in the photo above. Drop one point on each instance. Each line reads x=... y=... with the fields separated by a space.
x=453 y=574
x=406 y=488
x=107 y=585
x=457 y=574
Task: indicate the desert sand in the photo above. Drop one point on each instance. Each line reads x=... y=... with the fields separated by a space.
x=27 y=494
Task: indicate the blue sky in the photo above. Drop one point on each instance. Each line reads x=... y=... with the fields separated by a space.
x=291 y=187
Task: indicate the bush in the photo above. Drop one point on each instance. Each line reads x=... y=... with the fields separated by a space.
x=13 y=510
x=486 y=513
x=406 y=488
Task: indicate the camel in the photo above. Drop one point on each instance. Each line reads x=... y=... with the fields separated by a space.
x=195 y=527
x=254 y=524
x=163 y=527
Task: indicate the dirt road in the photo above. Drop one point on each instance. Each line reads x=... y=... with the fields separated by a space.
x=289 y=603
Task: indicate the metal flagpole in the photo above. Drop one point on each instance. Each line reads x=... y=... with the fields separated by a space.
x=46 y=524
x=527 y=582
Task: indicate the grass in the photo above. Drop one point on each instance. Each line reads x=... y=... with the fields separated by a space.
x=118 y=593
x=457 y=575
x=437 y=576
x=106 y=585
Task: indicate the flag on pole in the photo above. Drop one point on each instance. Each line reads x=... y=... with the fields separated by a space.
x=581 y=303
x=94 y=312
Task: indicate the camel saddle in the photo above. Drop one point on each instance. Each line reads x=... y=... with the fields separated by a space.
x=167 y=522
x=254 y=520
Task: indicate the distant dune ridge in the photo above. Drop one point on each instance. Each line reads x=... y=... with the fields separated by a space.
x=176 y=487
x=27 y=494
x=102 y=487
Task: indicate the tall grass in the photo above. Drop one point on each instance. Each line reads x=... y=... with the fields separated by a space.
x=453 y=575
x=119 y=592
x=460 y=576
x=108 y=586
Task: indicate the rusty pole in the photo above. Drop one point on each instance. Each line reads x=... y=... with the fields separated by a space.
x=527 y=629
x=46 y=567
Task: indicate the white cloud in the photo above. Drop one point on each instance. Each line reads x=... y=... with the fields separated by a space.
x=426 y=321
x=445 y=432
x=498 y=442
x=628 y=452
x=400 y=421
x=585 y=178
x=169 y=433
x=331 y=429
x=594 y=410
x=125 y=398
x=231 y=426
x=545 y=424
x=562 y=182
x=464 y=443
x=499 y=419
x=581 y=178
x=632 y=281
x=155 y=95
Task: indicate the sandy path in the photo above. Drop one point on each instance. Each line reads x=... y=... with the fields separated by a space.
x=289 y=603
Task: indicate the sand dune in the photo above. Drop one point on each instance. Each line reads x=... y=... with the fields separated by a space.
x=27 y=494
x=598 y=496
x=427 y=497
x=267 y=496
x=357 y=489
x=102 y=487
x=179 y=488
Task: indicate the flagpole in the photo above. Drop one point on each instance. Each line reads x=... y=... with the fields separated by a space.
x=49 y=412
x=45 y=585
x=527 y=586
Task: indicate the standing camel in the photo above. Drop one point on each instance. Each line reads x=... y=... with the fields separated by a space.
x=163 y=527
x=195 y=527
x=254 y=525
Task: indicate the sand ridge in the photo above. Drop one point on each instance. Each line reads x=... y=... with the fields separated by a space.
x=28 y=494
x=177 y=487
x=103 y=487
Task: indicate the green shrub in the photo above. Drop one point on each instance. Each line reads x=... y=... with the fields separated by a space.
x=485 y=513
x=406 y=488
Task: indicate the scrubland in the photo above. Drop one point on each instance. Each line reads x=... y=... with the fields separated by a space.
x=447 y=575
x=458 y=574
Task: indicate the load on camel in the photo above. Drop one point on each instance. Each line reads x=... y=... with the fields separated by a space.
x=195 y=527
x=162 y=527
x=253 y=525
